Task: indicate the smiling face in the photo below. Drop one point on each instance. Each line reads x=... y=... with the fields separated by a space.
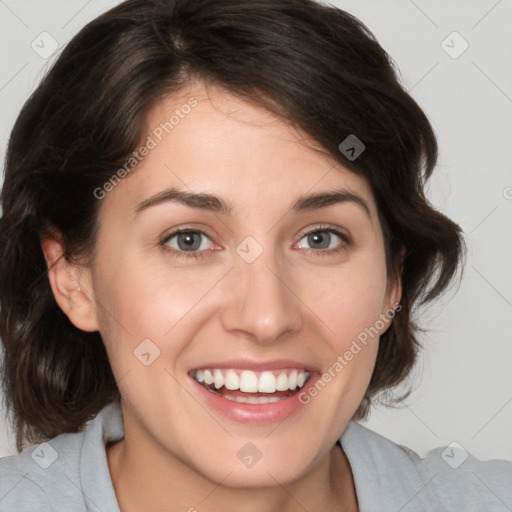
x=238 y=251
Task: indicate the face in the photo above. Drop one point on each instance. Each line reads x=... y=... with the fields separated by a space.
x=238 y=253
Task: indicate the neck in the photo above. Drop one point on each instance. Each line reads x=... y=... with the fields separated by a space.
x=146 y=478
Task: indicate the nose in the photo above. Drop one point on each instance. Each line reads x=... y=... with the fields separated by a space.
x=262 y=305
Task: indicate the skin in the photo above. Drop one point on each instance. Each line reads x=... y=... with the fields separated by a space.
x=295 y=301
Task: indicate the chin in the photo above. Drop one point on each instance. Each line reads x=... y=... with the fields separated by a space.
x=247 y=467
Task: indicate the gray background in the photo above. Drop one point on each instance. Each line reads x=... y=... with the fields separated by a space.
x=463 y=382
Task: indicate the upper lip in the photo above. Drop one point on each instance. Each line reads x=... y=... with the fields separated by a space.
x=257 y=366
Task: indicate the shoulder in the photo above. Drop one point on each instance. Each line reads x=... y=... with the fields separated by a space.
x=40 y=474
x=58 y=474
x=460 y=478
x=390 y=477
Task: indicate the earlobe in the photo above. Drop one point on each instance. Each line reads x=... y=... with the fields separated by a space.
x=71 y=285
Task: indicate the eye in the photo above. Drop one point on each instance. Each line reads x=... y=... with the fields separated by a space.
x=187 y=240
x=324 y=240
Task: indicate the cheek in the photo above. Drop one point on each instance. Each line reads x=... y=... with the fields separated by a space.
x=143 y=300
x=350 y=298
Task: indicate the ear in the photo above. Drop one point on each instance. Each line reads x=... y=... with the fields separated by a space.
x=395 y=293
x=391 y=304
x=71 y=285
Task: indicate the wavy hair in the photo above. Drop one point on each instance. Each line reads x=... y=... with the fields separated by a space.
x=313 y=65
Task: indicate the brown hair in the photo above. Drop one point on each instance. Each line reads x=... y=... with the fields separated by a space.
x=313 y=65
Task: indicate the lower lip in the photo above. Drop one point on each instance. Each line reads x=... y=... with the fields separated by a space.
x=254 y=413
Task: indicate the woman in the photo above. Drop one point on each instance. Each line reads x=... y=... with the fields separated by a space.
x=214 y=234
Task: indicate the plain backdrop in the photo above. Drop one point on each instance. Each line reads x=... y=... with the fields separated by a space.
x=463 y=382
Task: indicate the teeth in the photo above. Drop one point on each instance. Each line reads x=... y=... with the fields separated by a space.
x=248 y=381
x=282 y=382
x=254 y=399
x=232 y=380
x=267 y=383
x=292 y=380
x=218 y=379
x=208 y=377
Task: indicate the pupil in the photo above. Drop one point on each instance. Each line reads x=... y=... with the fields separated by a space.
x=320 y=240
x=187 y=242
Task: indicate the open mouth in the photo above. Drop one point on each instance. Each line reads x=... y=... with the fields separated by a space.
x=246 y=386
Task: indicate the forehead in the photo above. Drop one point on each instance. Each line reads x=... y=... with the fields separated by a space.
x=209 y=140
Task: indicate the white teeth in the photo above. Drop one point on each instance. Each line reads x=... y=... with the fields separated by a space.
x=254 y=399
x=292 y=380
x=208 y=377
x=232 y=380
x=218 y=379
x=282 y=382
x=248 y=381
x=267 y=383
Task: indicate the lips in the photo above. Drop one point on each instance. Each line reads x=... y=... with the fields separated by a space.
x=253 y=392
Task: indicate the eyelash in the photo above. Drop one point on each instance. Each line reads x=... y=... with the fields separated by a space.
x=202 y=254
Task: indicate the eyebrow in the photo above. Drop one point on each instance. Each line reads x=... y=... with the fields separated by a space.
x=324 y=199
x=204 y=201
x=213 y=203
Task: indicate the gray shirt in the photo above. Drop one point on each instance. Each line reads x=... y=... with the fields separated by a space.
x=70 y=474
